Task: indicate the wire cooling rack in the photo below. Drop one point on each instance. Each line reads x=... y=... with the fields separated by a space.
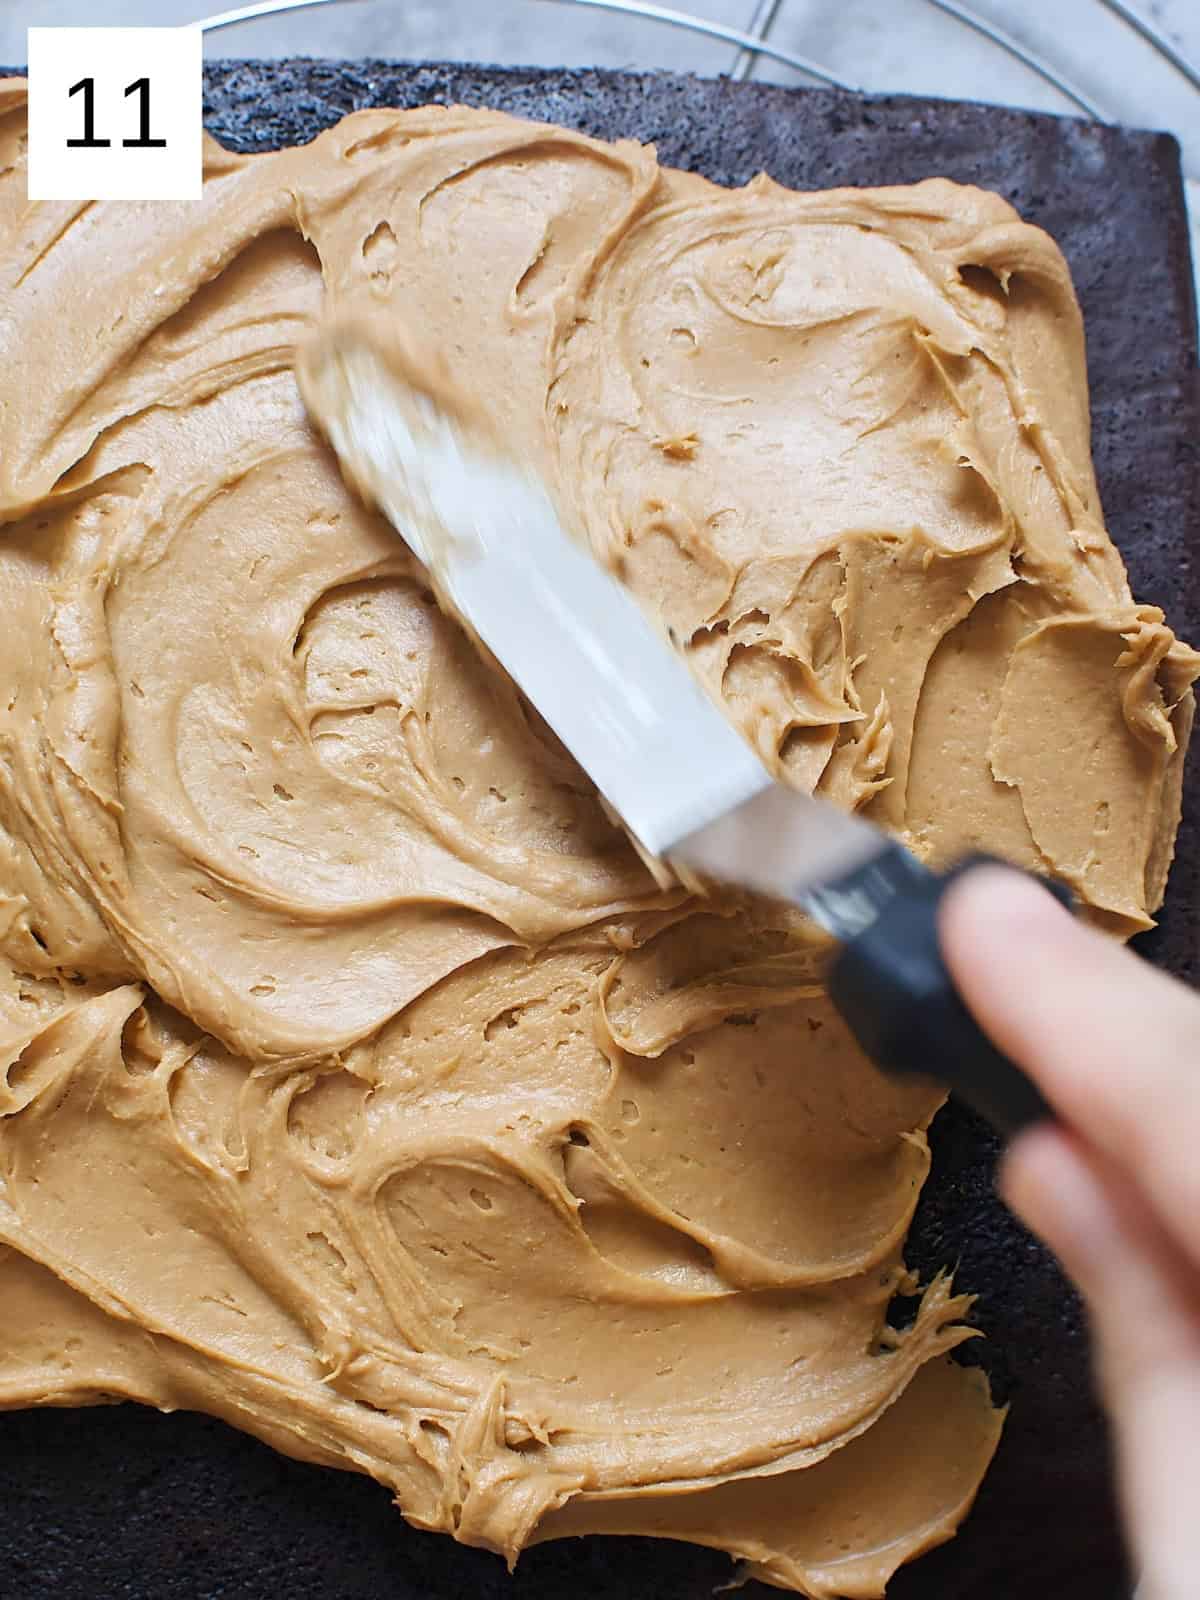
x=753 y=42
x=757 y=42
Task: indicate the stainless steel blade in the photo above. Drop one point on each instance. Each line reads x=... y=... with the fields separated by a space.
x=683 y=781
x=792 y=847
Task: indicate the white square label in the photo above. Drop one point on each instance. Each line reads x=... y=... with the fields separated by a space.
x=115 y=113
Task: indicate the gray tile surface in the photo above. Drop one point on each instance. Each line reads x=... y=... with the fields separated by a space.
x=895 y=44
x=531 y=32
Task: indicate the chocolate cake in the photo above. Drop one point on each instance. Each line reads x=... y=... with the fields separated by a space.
x=1045 y=1513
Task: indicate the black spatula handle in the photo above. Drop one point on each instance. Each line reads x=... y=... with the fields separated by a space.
x=892 y=986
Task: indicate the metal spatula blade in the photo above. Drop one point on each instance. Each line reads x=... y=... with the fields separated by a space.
x=685 y=784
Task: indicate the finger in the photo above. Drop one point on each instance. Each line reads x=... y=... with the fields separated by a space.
x=1145 y=1302
x=1113 y=1044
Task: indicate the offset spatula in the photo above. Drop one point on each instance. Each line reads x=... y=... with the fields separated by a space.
x=686 y=786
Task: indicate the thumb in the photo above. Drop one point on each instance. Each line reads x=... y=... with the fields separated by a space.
x=1113 y=1044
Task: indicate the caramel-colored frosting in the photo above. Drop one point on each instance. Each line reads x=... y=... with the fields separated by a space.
x=361 y=1086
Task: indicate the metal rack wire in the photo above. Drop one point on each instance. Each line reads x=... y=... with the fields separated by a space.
x=753 y=42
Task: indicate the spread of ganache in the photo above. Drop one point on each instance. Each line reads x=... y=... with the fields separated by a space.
x=360 y=1085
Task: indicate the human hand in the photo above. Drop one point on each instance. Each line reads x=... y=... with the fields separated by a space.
x=1114 y=1189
